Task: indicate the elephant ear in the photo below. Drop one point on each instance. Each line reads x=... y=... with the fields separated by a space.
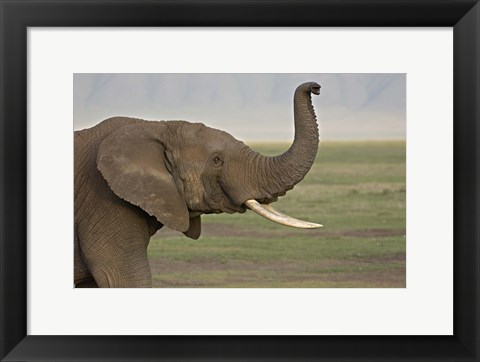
x=132 y=161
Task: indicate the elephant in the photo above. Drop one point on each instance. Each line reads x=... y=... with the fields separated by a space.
x=133 y=176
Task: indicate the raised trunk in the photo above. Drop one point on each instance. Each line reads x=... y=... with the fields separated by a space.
x=274 y=176
x=270 y=177
x=291 y=167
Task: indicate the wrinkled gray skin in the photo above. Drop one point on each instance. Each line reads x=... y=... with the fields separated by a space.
x=134 y=176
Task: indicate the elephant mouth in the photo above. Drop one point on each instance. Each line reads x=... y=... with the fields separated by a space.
x=316 y=90
x=218 y=210
x=223 y=204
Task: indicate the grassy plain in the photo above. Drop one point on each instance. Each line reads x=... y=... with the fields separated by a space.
x=355 y=189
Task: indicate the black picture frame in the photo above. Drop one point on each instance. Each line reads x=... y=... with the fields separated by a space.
x=17 y=15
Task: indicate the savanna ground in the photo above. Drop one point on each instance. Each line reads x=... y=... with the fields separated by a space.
x=355 y=189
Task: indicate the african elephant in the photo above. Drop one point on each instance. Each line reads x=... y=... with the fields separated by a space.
x=133 y=176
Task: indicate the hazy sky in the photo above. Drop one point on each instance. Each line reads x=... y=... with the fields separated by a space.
x=252 y=107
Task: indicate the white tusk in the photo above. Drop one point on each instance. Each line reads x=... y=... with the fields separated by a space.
x=303 y=224
x=270 y=213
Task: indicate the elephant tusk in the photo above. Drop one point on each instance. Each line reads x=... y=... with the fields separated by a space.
x=301 y=223
x=270 y=213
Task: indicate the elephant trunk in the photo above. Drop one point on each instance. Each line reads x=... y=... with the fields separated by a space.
x=286 y=170
x=291 y=167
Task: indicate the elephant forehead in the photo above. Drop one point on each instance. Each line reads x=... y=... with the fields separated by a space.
x=195 y=152
x=199 y=133
x=199 y=142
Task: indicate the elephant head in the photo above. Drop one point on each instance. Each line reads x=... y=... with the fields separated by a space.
x=178 y=170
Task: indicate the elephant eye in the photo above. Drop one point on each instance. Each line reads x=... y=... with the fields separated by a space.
x=217 y=160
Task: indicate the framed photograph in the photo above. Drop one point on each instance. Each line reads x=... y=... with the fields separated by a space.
x=130 y=129
x=359 y=196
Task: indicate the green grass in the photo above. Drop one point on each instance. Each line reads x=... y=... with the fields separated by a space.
x=355 y=189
